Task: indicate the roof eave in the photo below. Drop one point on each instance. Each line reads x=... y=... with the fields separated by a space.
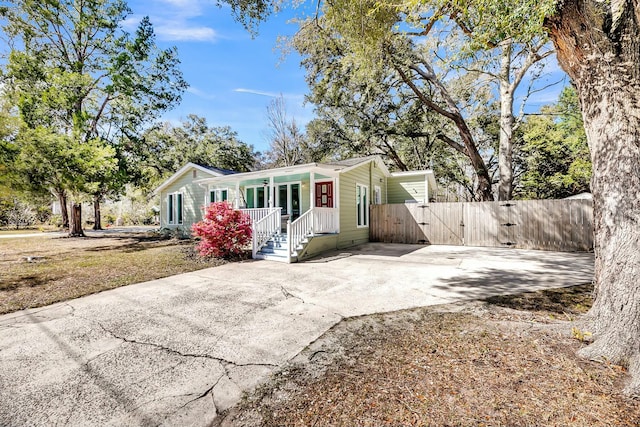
x=181 y=171
x=267 y=173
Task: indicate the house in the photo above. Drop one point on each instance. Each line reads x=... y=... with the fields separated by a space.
x=297 y=211
x=181 y=200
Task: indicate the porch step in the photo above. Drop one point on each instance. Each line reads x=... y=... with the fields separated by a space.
x=276 y=249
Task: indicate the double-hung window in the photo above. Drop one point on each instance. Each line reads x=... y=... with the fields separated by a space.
x=175 y=208
x=362 y=205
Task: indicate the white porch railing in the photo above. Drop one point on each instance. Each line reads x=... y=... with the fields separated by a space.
x=326 y=220
x=258 y=213
x=263 y=228
x=314 y=221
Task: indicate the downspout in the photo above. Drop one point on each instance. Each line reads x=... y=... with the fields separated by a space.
x=386 y=190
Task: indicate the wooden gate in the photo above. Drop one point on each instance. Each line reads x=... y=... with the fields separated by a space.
x=435 y=223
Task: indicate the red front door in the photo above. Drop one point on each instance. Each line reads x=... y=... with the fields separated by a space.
x=324 y=194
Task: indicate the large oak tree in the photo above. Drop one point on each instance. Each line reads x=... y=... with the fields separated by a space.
x=598 y=45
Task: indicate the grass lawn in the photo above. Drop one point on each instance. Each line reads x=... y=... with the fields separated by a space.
x=11 y=231
x=507 y=361
x=63 y=268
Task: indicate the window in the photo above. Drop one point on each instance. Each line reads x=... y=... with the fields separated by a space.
x=218 y=195
x=170 y=210
x=377 y=195
x=362 y=205
x=288 y=197
x=256 y=197
x=174 y=208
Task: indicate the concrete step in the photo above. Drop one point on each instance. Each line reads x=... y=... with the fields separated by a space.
x=276 y=249
x=275 y=257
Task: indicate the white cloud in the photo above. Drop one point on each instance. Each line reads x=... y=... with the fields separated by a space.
x=199 y=93
x=174 y=20
x=179 y=31
x=257 y=92
x=183 y=8
x=298 y=98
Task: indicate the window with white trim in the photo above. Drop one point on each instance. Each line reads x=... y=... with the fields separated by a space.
x=362 y=205
x=218 y=195
x=256 y=196
x=175 y=208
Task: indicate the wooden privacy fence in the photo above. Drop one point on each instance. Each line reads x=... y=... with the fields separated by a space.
x=560 y=225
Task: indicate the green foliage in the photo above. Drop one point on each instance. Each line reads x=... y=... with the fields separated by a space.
x=365 y=107
x=83 y=87
x=50 y=160
x=166 y=148
x=554 y=155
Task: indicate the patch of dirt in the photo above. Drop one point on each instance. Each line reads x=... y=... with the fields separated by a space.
x=473 y=363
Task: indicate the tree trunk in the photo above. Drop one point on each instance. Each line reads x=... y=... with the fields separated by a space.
x=505 y=151
x=598 y=44
x=97 y=224
x=451 y=112
x=76 y=221
x=483 y=191
x=62 y=199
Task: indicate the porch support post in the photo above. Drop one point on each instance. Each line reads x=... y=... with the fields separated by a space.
x=237 y=194
x=312 y=190
x=336 y=201
x=289 y=238
x=254 y=238
x=271 y=192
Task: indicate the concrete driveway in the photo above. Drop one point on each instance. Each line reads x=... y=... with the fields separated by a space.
x=178 y=350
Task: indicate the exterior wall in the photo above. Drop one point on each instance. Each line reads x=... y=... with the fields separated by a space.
x=318 y=245
x=370 y=175
x=403 y=188
x=378 y=179
x=193 y=199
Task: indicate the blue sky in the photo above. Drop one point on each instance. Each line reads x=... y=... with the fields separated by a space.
x=233 y=77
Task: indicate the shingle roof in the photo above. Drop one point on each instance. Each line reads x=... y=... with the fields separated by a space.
x=219 y=170
x=350 y=162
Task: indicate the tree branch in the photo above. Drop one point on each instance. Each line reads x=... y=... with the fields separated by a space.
x=452 y=143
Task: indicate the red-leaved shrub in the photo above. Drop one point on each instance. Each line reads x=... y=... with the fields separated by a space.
x=224 y=232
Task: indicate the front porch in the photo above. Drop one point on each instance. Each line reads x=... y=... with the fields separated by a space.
x=275 y=236
x=287 y=206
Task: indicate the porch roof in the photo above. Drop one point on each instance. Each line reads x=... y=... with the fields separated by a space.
x=328 y=169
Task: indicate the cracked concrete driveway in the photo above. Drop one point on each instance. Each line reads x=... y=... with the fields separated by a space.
x=179 y=350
